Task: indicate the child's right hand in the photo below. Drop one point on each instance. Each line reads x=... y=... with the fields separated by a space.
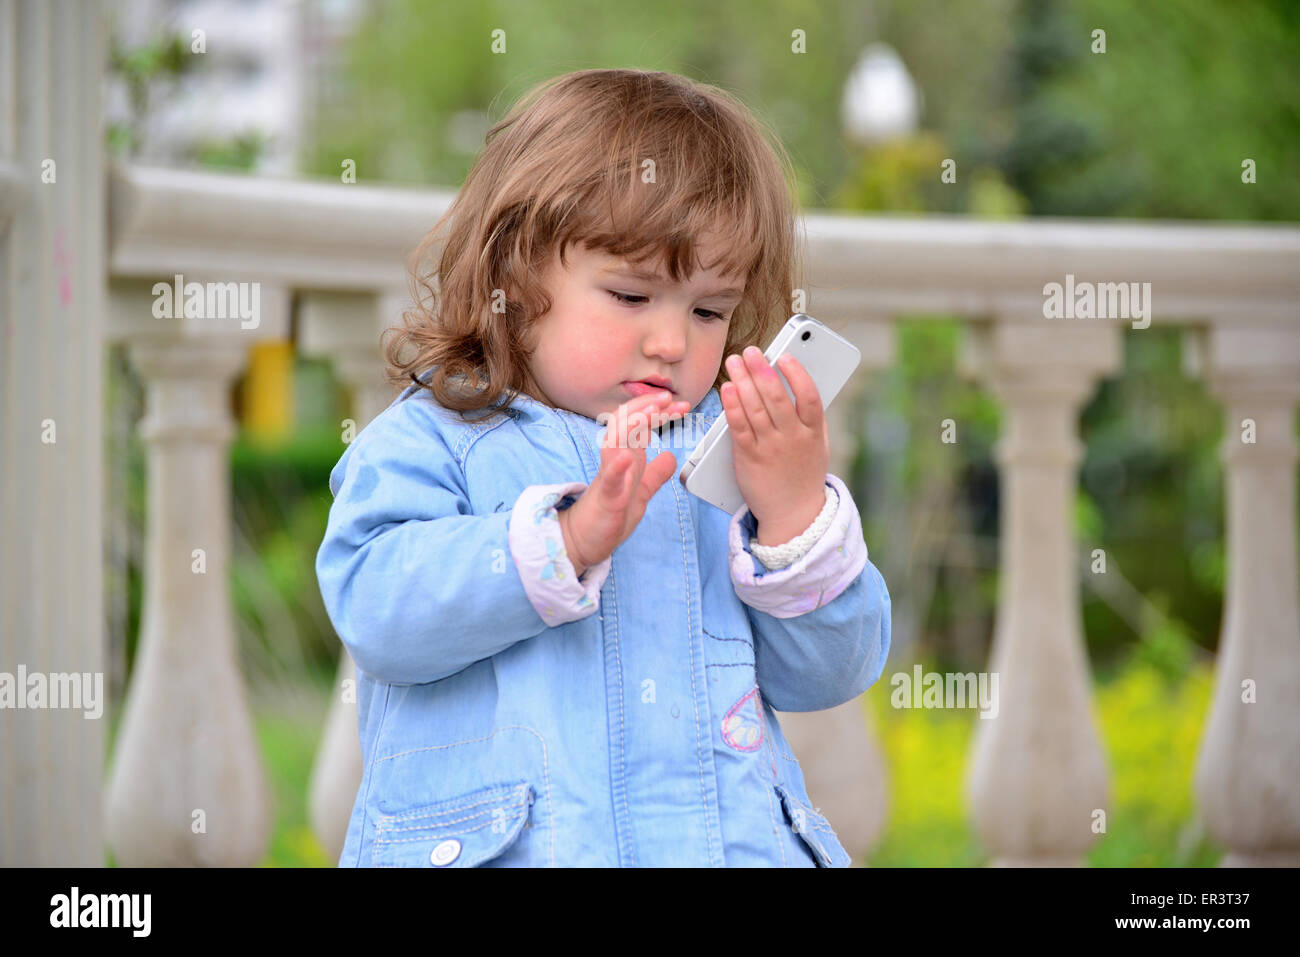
x=605 y=515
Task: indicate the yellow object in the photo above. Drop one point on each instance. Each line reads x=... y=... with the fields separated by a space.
x=268 y=392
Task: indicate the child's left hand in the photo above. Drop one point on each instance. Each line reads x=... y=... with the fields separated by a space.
x=781 y=452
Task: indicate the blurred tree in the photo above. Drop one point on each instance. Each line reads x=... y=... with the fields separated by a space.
x=1159 y=124
x=900 y=176
x=241 y=151
x=145 y=71
x=150 y=71
x=1049 y=141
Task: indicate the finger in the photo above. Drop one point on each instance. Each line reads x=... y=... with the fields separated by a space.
x=613 y=475
x=755 y=411
x=644 y=421
x=648 y=399
x=674 y=410
x=636 y=468
x=631 y=428
x=624 y=419
x=656 y=473
x=767 y=383
x=737 y=421
x=808 y=401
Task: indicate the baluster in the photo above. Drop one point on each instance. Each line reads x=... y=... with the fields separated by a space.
x=187 y=785
x=1248 y=767
x=1037 y=776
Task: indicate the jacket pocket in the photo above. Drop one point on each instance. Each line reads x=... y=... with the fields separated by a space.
x=814 y=830
x=462 y=831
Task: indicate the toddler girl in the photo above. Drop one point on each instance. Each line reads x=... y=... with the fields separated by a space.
x=563 y=657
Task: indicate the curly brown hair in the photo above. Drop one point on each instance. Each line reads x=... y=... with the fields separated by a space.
x=631 y=162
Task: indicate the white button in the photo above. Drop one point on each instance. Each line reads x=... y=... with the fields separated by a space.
x=446 y=852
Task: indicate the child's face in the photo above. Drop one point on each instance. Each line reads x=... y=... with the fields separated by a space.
x=590 y=344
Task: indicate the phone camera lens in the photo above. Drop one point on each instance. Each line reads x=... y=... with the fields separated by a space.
x=805 y=337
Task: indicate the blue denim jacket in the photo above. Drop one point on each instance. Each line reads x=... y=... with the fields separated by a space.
x=511 y=715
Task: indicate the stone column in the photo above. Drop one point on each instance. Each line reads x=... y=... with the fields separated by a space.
x=1037 y=780
x=52 y=292
x=1248 y=769
x=187 y=784
x=347 y=328
x=843 y=767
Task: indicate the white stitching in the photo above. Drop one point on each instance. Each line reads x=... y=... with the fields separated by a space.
x=546 y=768
x=621 y=806
x=510 y=796
x=427 y=837
x=699 y=756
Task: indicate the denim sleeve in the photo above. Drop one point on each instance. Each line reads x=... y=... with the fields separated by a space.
x=417 y=587
x=821 y=626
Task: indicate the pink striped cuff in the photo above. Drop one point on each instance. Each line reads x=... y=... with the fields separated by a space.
x=830 y=566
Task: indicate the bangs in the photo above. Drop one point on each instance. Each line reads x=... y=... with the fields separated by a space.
x=647 y=226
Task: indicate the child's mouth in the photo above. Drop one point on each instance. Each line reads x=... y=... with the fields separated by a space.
x=644 y=388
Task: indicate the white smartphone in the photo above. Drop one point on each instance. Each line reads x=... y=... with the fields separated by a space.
x=827 y=357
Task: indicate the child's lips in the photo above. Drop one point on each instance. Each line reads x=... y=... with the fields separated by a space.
x=644 y=388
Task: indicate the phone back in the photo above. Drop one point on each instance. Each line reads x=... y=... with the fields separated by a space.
x=828 y=358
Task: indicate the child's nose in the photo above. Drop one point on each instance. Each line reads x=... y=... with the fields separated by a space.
x=667 y=341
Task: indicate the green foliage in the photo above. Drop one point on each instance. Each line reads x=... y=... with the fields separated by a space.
x=281 y=504
x=925 y=752
x=1050 y=141
x=929 y=505
x=1157 y=126
x=241 y=152
x=1089 y=526
x=992 y=197
x=1167 y=646
x=901 y=176
x=1183 y=94
x=289 y=731
x=1153 y=476
x=146 y=70
x=1151 y=730
x=152 y=70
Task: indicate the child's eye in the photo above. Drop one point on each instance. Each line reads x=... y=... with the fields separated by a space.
x=626 y=298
